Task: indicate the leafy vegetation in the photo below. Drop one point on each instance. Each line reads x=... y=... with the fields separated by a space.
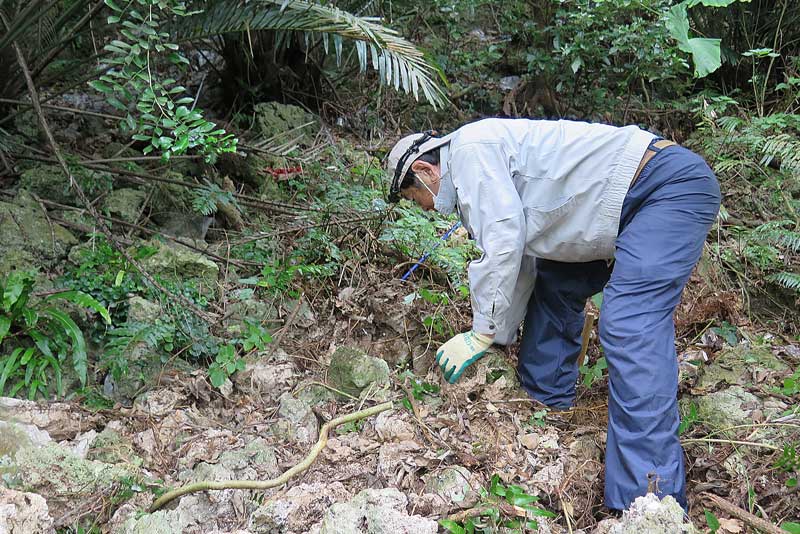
x=40 y=338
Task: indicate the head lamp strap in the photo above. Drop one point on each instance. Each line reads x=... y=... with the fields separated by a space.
x=394 y=190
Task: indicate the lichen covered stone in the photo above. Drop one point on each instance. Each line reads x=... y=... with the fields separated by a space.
x=654 y=516
x=125 y=203
x=28 y=239
x=352 y=371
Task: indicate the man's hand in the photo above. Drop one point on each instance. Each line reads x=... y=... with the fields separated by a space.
x=460 y=352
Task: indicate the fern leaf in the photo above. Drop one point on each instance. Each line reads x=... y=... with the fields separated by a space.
x=395 y=58
x=786 y=279
x=776 y=233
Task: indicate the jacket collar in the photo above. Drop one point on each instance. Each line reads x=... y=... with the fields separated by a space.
x=446 y=199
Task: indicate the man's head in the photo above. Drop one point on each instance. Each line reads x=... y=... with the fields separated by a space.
x=414 y=169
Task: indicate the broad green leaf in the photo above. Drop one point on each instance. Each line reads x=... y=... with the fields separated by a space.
x=9 y=367
x=15 y=285
x=79 y=357
x=678 y=25
x=5 y=326
x=27 y=355
x=706 y=55
x=790 y=527
x=713 y=522
x=113 y=5
x=82 y=299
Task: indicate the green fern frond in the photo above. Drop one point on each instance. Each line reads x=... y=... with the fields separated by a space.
x=786 y=279
x=776 y=233
x=398 y=62
x=729 y=123
x=206 y=201
x=785 y=148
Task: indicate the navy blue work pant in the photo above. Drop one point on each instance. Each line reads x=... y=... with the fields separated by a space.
x=666 y=216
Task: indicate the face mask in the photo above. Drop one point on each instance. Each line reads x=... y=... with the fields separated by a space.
x=428 y=188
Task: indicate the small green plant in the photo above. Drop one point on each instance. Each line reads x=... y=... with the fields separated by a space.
x=728 y=332
x=538 y=419
x=40 y=337
x=224 y=365
x=495 y=498
x=790 y=527
x=593 y=373
x=228 y=361
x=789 y=463
x=418 y=389
x=689 y=419
x=791 y=385
x=207 y=200
x=712 y=522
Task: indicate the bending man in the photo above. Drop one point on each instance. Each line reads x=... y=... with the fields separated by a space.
x=550 y=205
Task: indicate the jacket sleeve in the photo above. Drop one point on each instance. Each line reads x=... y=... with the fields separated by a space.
x=492 y=210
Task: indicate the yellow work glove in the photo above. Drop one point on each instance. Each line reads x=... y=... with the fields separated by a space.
x=460 y=352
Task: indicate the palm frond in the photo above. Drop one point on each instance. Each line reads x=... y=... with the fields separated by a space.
x=398 y=62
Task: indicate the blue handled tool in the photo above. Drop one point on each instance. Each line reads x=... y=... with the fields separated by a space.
x=427 y=254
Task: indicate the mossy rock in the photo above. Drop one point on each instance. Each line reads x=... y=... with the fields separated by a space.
x=50 y=183
x=178 y=263
x=738 y=365
x=55 y=471
x=273 y=119
x=27 y=239
x=112 y=448
x=125 y=204
x=352 y=370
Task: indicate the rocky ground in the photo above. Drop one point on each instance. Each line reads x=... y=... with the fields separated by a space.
x=398 y=472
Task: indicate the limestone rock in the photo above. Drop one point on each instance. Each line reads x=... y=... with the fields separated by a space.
x=298 y=509
x=24 y=513
x=453 y=485
x=141 y=310
x=733 y=406
x=27 y=239
x=275 y=119
x=654 y=516
x=375 y=511
x=352 y=371
x=125 y=203
x=112 y=447
x=297 y=421
x=176 y=262
x=57 y=418
x=49 y=182
x=161 y=522
x=14 y=436
x=266 y=375
x=61 y=476
x=739 y=365
x=391 y=427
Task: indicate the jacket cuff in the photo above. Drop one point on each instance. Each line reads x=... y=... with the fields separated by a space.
x=483 y=324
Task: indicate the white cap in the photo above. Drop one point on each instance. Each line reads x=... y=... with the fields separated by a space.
x=405 y=153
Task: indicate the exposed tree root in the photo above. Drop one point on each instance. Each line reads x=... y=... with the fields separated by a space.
x=204 y=485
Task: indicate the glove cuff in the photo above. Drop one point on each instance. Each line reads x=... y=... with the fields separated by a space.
x=486 y=341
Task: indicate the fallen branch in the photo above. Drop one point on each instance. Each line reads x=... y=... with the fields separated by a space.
x=756 y=522
x=204 y=485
